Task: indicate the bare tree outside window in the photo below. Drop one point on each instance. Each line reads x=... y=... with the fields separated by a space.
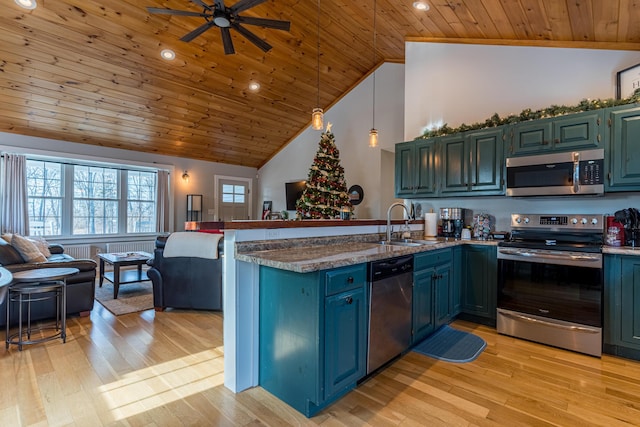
x=101 y=200
x=45 y=193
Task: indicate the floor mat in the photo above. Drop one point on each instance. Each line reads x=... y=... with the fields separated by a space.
x=451 y=345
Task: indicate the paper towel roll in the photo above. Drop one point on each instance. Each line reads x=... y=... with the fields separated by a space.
x=430 y=224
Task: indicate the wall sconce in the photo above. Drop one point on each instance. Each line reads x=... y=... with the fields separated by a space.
x=194 y=207
x=185 y=176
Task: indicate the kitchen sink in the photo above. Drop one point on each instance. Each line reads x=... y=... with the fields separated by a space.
x=408 y=242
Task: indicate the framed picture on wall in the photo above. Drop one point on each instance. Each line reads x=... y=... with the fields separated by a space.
x=627 y=81
x=266 y=209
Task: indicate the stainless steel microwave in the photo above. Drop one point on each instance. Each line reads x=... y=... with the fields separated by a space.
x=568 y=173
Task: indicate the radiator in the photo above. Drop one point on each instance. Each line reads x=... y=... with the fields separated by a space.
x=145 y=246
x=81 y=251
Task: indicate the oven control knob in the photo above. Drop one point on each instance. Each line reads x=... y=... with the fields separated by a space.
x=574 y=220
x=583 y=221
x=594 y=221
x=526 y=220
x=518 y=219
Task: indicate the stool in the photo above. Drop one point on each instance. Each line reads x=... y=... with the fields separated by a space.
x=30 y=286
x=25 y=294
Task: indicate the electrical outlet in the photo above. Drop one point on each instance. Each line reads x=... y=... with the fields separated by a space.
x=272 y=234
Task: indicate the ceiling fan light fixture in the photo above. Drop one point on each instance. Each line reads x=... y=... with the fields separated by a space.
x=222 y=21
x=27 y=4
x=168 y=54
x=420 y=5
x=317 y=119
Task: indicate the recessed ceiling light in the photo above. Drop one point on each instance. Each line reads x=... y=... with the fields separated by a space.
x=27 y=4
x=168 y=54
x=254 y=86
x=420 y=5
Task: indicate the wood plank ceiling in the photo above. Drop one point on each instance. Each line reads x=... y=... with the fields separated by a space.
x=90 y=71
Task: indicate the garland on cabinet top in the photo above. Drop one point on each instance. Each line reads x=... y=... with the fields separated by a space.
x=325 y=192
x=528 y=114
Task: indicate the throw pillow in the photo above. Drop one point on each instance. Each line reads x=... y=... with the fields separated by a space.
x=27 y=249
x=7 y=237
x=41 y=244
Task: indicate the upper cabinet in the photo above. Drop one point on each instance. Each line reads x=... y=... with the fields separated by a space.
x=470 y=163
x=575 y=131
x=624 y=149
x=473 y=163
x=415 y=169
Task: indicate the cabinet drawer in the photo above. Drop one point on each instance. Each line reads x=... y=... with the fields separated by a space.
x=344 y=279
x=431 y=259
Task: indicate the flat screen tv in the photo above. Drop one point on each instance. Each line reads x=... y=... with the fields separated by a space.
x=293 y=191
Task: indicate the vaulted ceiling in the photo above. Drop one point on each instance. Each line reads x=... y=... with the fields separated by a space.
x=91 y=72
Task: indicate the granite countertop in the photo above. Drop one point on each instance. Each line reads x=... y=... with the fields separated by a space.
x=316 y=256
x=621 y=250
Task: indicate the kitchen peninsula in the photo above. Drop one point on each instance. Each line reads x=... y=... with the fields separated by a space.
x=299 y=247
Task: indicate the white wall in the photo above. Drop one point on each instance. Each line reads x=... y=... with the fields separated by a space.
x=202 y=173
x=455 y=84
x=351 y=118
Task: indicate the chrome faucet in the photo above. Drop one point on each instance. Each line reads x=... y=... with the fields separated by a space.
x=389 y=218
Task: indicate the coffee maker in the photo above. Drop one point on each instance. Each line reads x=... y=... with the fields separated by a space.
x=452 y=222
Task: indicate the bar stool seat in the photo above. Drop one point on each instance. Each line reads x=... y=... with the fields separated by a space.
x=30 y=286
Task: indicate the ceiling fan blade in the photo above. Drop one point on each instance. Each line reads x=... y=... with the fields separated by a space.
x=195 y=33
x=266 y=23
x=174 y=12
x=243 y=5
x=201 y=4
x=227 y=42
x=220 y=5
x=252 y=37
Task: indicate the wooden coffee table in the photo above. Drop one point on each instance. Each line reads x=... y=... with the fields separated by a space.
x=118 y=260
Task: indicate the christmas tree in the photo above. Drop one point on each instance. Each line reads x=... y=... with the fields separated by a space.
x=325 y=192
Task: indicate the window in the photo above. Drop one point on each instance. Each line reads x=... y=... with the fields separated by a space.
x=66 y=199
x=45 y=192
x=233 y=193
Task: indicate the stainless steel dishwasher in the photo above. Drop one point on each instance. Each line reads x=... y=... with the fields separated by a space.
x=390 y=297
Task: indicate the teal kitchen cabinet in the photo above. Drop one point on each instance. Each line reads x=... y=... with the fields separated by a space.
x=622 y=306
x=564 y=133
x=313 y=334
x=472 y=163
x=432 y=292
x=479 y=267
x=624 y=149
x=415 y=169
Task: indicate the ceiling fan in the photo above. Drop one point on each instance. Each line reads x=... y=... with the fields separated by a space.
x=225 y=18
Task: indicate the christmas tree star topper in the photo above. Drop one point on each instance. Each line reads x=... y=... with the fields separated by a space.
x=329 y=127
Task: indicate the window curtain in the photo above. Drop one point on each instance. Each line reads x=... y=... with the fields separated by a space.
x=15 y=216
x=162 y=202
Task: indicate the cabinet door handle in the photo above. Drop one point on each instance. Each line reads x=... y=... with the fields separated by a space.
x=348 y=300
x=350 y=280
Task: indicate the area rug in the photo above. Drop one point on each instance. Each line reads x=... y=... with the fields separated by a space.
x=451 y=345
x=132 y=297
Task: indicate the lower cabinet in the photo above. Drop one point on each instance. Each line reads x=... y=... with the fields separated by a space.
x=622 y=306
x=313 y=334
x=434 y=296
x=479 y=267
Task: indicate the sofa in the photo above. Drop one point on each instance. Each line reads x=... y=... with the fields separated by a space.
x=80 y=287
x=190 y=276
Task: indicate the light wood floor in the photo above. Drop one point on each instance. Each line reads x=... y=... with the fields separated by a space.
x=165 y=369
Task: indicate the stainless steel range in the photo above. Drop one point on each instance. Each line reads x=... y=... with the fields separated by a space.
x=550 y=281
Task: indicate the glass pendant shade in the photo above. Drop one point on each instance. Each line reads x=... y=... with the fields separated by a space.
x=317 y=119
x=373 y=138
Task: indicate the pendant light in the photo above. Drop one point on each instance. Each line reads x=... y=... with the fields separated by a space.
x=317 y=115
x=373 y=133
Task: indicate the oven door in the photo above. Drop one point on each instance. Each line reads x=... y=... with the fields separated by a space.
x=560 y=285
